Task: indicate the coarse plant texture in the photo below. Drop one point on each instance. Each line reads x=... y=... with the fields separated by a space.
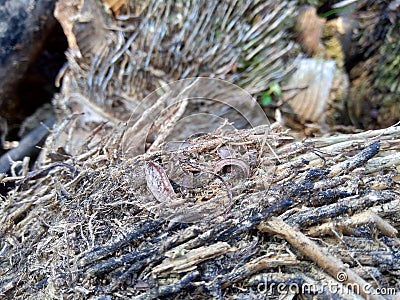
x=115 y=62
x=375 y=93
x=94 y=225
x=99 y=222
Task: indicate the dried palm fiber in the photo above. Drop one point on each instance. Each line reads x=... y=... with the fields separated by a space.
x=115 y=62
x=314 y=3
x=375 y=90
x=92 y=223
x=91 y=227
x=315 y=93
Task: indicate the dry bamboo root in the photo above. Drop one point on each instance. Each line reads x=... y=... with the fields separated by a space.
x=367 y=217
x=311 y=250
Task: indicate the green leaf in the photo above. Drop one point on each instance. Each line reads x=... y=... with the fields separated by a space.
x=266 y=99
x=275 y=89
x=327 y=14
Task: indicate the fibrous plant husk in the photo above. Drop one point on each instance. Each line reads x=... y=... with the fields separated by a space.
x=314 y=95
x=114 y=62
x=228 y=214
x=374 y=99
x=102 y=225
x=363 y=40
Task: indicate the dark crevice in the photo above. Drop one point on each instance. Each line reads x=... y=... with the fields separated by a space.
x=36 y=88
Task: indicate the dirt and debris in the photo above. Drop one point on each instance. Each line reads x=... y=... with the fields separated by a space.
x=102 y=226
x=169 y=198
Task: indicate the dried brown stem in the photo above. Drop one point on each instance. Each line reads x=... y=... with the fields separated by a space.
x=310 y=249
x=365 y=218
